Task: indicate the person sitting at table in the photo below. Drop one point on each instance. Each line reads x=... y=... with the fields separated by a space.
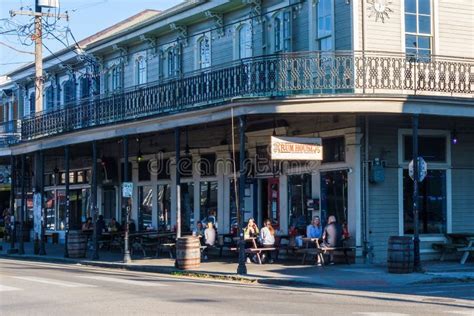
x=87 y=226
x=100 y=225
x=114 y=226
x=332 y=236
x=131 y=227
x=267 y=238
x=251 y=230
x=314 y=230
x=199 y=230
x=209 y=238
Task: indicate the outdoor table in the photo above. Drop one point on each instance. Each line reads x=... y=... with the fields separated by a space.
x=469 y=240
x=255 y=250
x=307 y=242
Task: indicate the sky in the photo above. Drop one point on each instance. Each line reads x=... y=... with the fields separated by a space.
x=86 y=17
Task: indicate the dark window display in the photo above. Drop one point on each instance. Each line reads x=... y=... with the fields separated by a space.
x=187 y=206
x=299 y=192
x=164 y=207
x=334 y=195
x=431 y=203
x=208 y=200
x=145 y=206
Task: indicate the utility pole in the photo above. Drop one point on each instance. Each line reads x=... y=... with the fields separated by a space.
x=38 y=38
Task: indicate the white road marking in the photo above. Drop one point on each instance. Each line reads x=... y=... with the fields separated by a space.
x=379 y=314
x=53 y=282
x=469 y=313
x=118 y=280
x=4 y=288
x=431 y=292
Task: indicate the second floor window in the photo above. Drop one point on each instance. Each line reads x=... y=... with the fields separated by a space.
x=85 y=87
x=245 y=41
x=325 y=25
x=116 y=78
x=141 y=69
x=418 y=27
x=282 y=32
x=49 y=98
x=69 y=93
x=204 y=49
x=277 y=34
x=32 y=101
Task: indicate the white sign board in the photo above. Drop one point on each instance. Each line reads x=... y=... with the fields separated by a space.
x=422 y=169
x=127 y=189
x=296 y=148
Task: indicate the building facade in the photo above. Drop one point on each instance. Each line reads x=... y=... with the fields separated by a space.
x=354 y=73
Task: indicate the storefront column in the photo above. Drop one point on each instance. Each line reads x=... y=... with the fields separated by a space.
x=354 y=182
x=416 y=237
x=197 y=191
x=126 y=250
x=12 y=203
x=67 y=193
x=283 y=187
x=220 y=195
x=177 y=135
x=39 y=176
x=22 y=212
x=95 y=254
x=242 y=269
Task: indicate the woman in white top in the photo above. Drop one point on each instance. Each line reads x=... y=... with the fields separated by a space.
x=209 y=238
x=267 y=237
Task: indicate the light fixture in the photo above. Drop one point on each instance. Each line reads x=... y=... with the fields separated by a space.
x=454 y=138
x=139 y=154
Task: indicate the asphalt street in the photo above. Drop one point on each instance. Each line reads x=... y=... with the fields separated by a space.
x=31 y=288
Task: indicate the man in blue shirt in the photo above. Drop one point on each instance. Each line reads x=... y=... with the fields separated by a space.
x=314 y=230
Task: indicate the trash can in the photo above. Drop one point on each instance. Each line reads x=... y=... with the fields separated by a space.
x=400 y=257
x=188 y=253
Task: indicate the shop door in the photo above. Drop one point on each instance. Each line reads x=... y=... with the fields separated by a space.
x=109 y=204
x=334 y=196
x=270 y=201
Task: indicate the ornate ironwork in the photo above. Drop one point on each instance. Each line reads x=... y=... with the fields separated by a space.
x=308 y=73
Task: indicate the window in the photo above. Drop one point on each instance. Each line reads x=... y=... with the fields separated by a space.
x=287 y=31
x=299 y=191
x=32 y=103
x=204 y=49
x=208 y=207
x=164 y=207
x=431 y=148
x=85 y=87
x=145 y=200
x=69 y=93
x=187 y=206
x=325 y=24
x=431 y=203
x=334 y=195
x=49 y=98
x=143 y=171
x=334 y=149
x=140 y=67
x=245 y=41
x=418 y=29
x=171 y=63
x=116 y=78
x=277 y=34
x=207 y=165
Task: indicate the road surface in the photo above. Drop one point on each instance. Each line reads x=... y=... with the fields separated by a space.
x=32 y=288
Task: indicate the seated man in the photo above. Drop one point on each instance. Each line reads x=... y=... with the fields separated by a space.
x=332 y=236
x=114 y=226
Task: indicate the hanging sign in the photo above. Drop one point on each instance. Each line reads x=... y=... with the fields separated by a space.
x=296 y=148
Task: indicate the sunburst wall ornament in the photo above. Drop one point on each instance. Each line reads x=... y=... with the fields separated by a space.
x=380 y=9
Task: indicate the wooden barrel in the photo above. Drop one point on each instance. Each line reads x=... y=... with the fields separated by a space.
x=76 y=244
x=400 y=254
x=188 y=253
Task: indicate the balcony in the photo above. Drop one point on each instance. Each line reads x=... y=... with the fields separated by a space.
x=9 y=133
x=278 y=76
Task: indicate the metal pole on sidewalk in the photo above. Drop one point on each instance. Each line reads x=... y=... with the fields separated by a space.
x=94 y=209
x=416 y=237
x=40 y=179
x=177 y=135
x=242 y=268
x=22 y=212
x=68 y=215
x=12 y=205
x=126 y=253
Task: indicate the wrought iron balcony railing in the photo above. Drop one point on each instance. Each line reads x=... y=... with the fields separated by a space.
x=9 y=133
x=281 y=75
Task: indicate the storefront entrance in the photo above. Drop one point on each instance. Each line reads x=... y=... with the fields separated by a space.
x=270 y=201
x=334 y=195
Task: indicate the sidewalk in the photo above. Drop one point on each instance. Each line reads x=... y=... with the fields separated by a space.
x=281 y=273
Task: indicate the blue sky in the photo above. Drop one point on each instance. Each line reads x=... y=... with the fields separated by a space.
x=86 y=18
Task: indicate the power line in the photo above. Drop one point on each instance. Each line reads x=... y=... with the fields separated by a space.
x=15 y=49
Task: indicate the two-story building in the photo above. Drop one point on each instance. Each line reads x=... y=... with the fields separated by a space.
x=200 y=76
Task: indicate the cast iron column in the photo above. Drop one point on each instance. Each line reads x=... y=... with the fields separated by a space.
x=22 y=212
x=177 y=135
x=66 y=171
x=94 y=209
x=416 y=237
x=12 y=205
x=40 y=178
x=126 y=251
x=242 y=269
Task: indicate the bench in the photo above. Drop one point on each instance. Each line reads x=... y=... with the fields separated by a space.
x=256 y=250
x=319 y=251
x=169 y=247
x=446 y=248
x=456 y=242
